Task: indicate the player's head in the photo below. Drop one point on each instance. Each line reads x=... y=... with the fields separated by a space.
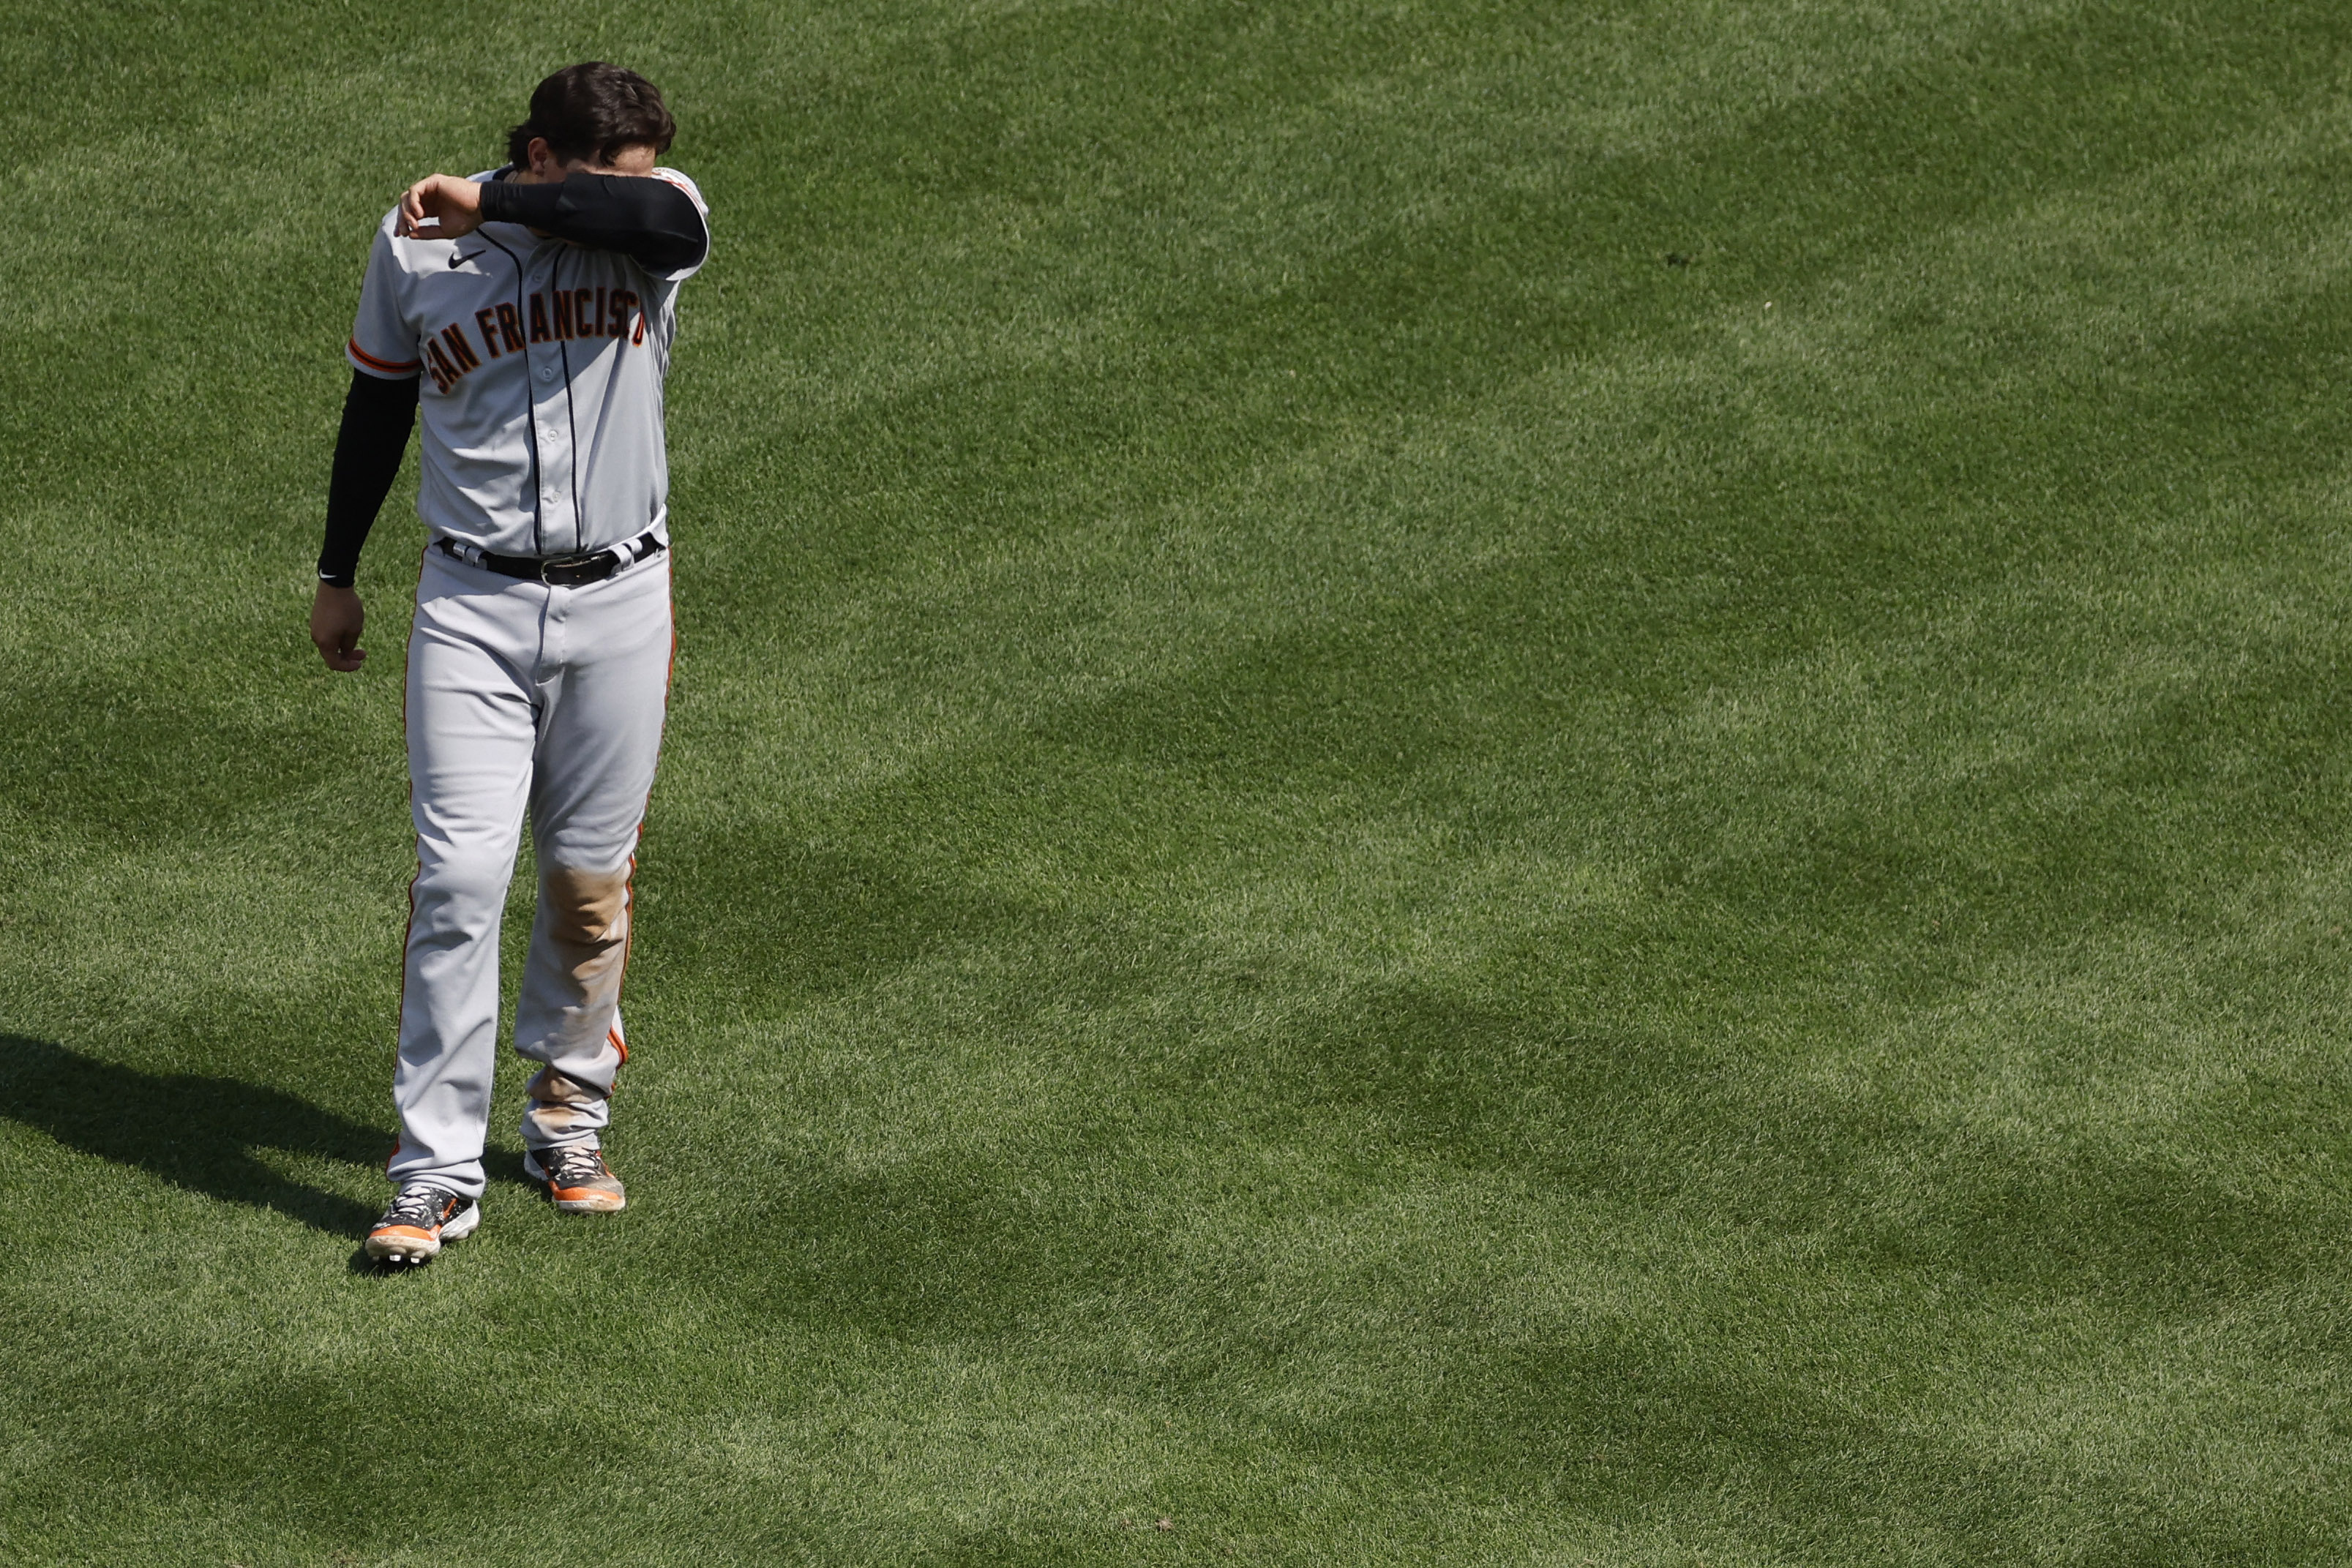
x=589 y=114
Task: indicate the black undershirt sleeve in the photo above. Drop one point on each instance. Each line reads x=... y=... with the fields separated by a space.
x=650 y=221
x=377 y=417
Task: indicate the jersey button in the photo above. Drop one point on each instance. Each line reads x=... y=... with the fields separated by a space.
x=547 y=373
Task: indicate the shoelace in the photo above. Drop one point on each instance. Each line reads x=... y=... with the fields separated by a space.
x=417 y=1206
x=572 y=1165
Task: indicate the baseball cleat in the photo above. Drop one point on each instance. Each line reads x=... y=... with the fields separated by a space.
x=577 y=1178
x=420 y=1219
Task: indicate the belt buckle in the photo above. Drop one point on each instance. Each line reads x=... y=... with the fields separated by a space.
x=571 y=571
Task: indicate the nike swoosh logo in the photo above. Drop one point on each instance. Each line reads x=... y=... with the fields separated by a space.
x=454 y=258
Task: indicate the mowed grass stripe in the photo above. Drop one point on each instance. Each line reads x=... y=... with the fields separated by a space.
x=1004 y=562
x=1856 y=497
x=1310 y=471
x=1776 y=1018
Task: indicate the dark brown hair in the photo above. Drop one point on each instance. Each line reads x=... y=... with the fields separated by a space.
x=588 y=112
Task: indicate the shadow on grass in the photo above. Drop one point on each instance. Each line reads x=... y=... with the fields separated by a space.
x=200 y=1133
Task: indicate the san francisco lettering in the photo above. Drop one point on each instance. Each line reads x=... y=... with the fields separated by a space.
x=556 y=315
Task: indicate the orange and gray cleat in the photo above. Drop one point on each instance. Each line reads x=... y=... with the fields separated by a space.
x=577 y=1178
x=420 y=1219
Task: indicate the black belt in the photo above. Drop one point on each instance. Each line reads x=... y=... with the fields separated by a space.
x=558 y=570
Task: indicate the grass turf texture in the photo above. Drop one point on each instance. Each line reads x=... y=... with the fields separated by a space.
x=1342 y=859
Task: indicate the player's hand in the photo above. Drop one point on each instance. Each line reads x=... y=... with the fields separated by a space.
x=335 y=621
x=457 y=203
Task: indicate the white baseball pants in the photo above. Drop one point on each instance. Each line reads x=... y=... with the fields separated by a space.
x=522 y=696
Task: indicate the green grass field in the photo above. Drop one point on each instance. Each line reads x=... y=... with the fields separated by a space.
x=1468 y=782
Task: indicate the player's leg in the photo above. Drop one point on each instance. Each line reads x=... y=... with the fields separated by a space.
x=470 y=736
x=599 y=734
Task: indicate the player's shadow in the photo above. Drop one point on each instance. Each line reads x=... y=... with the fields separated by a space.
x=200 y=1133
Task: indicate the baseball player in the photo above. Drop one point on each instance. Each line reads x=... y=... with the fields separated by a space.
x=528 y=313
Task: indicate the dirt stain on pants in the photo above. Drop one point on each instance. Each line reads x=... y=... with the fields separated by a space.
x=579 y=944
x=561 y=1108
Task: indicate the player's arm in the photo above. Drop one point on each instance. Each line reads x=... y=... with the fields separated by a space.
x=378 y=414
x=650 y=221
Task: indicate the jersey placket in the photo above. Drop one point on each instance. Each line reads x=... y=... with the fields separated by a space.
x=550 y=411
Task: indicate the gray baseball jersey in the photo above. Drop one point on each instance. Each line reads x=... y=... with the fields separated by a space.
x=543 y=364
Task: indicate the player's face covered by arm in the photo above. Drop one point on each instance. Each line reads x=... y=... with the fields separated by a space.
x=651 y=220
x=542 y=358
